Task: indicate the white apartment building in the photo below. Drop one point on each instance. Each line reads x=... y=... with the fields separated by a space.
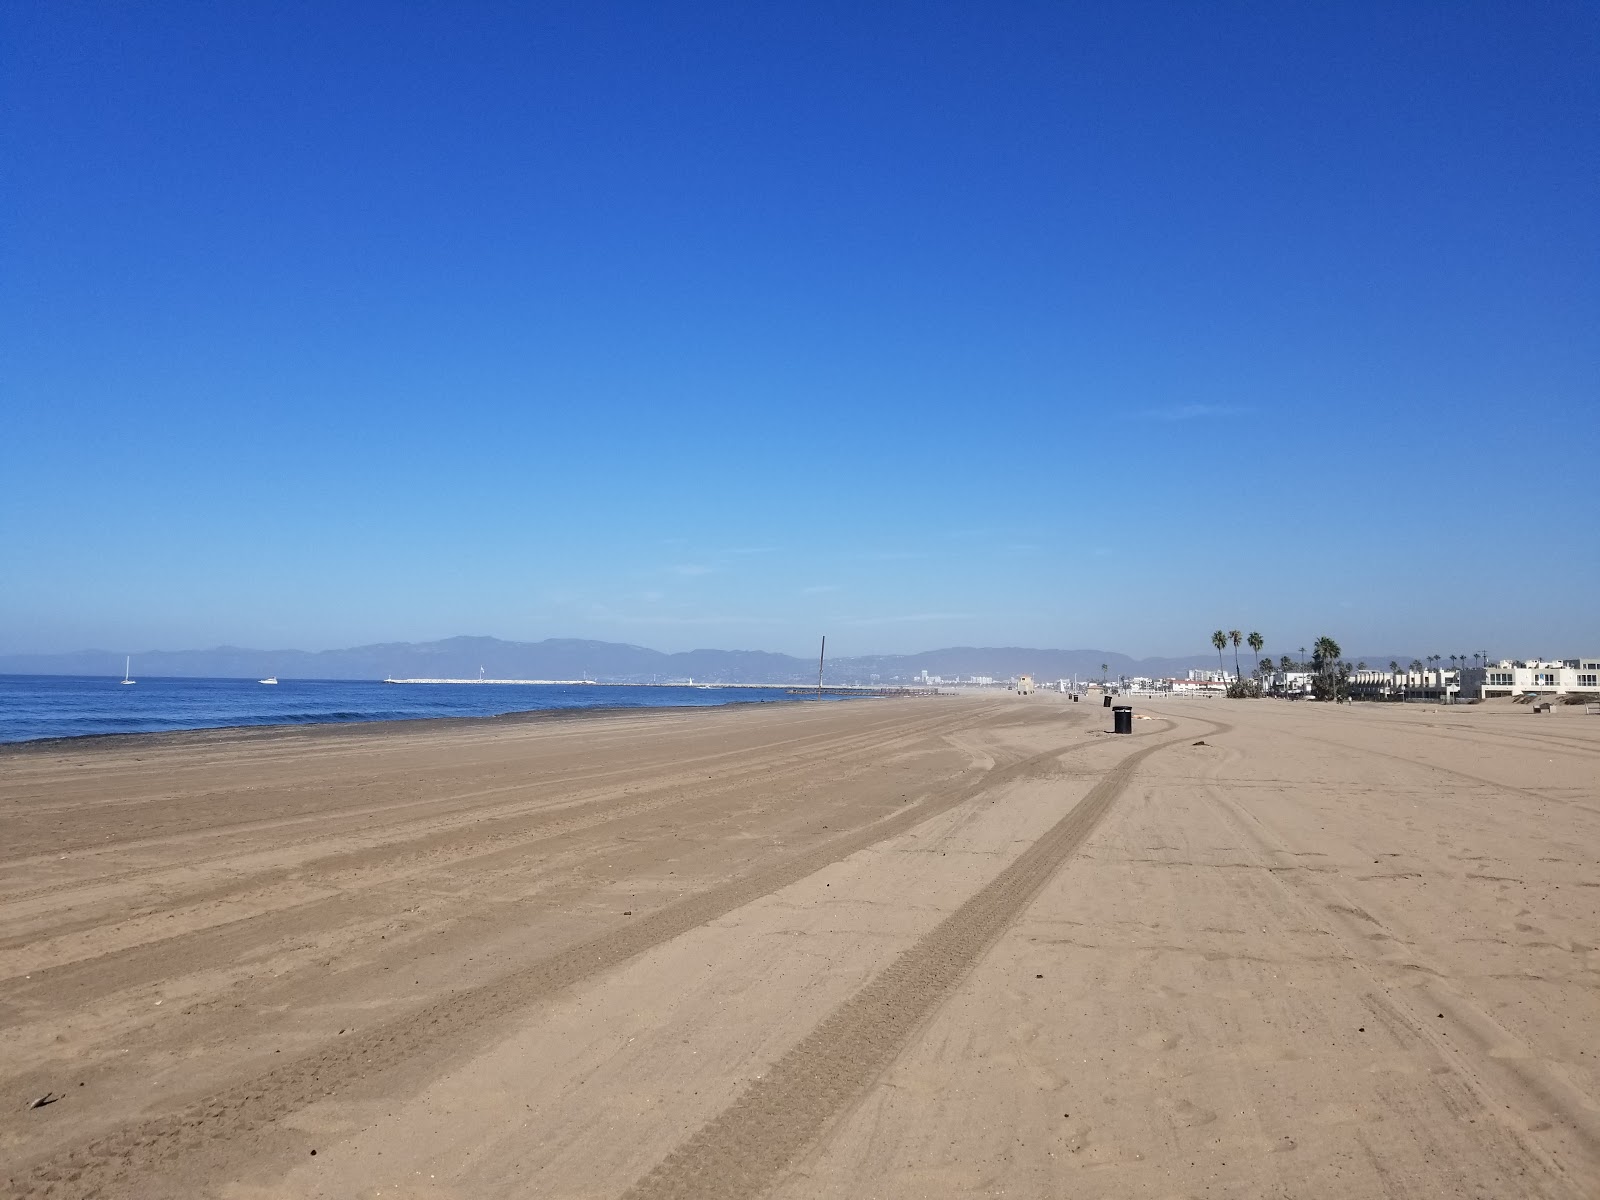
x=1519 y=677
x=1288 y=683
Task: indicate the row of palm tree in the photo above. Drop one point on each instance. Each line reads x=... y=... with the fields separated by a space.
x=1435 y=662
x=1432 y=662
x=1325 y=663
x=1255 y=641
x=1331 y=674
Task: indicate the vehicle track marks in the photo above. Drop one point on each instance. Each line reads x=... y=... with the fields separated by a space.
x=743 y=1150
x=130 y=1159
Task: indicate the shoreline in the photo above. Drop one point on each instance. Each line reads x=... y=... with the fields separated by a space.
x=389 y=725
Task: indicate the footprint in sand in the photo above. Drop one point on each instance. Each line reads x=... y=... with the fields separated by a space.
x=1158 y=1039
x=1187 y=1115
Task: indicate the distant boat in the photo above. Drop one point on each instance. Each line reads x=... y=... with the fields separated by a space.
x=127 y=670
x=268 y=679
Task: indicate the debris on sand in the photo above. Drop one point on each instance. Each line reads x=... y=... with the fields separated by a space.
x=47 y=1098
x=1201 y=742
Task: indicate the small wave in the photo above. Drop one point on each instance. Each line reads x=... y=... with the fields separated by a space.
x=54 y=707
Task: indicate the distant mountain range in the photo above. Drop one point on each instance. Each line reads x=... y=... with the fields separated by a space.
x=605 y=662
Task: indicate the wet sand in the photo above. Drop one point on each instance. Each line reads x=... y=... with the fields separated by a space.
x=889 y=948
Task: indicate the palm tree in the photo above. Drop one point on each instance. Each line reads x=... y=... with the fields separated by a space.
x=1452 y=662
x=1302 y=658
x=1286 y=664
x=1102 y=675
x=1326 y=656
x=1235 y=637
x=1394 y=667
x=1219 y=640
x=1361 y=666
x=1256 y=641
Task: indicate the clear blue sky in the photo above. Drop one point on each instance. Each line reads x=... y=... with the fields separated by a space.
x=699 y=325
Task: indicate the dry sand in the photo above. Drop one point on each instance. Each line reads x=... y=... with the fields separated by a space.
x=898 y=948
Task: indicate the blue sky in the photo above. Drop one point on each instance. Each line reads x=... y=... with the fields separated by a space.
x=914 y=325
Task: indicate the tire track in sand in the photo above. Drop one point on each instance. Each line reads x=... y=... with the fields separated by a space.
x=742 y=1151
x=134 y=1159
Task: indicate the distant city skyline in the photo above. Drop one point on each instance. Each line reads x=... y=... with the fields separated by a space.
x=733 y=327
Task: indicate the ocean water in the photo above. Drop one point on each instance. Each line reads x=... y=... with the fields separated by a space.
x=54 y=706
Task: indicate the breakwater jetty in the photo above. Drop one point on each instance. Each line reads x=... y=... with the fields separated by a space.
x=525 y=682
x=861 y=691
x=787 y=688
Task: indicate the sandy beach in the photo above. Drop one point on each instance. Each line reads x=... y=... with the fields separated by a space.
x=898 y=948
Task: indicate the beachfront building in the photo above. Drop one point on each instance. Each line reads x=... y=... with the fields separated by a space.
x=1198 y=687
x=1376 y=685
x=1288 y=683
x=1431 y=683
x=1537 y=677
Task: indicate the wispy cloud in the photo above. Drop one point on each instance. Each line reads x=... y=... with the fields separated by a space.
x=909 y=617
x=1192 y=412
x=659 y=619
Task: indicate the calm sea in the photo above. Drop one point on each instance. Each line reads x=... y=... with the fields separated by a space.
x=51 y=706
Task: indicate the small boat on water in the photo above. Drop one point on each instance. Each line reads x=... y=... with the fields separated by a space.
x=268 y=679
x=127 y=670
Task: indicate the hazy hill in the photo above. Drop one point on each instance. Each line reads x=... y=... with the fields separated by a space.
x=573 y=658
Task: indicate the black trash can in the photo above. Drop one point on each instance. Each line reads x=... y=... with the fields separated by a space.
x=1107 y=704
x=1122 y=718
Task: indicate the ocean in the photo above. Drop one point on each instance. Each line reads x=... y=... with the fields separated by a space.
x=56 y=706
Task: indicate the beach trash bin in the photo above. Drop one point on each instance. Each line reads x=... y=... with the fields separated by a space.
x=1107 y=702
x=1122 y=718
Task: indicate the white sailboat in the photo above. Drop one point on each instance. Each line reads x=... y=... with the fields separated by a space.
x=268 y=679
x=127 y=670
